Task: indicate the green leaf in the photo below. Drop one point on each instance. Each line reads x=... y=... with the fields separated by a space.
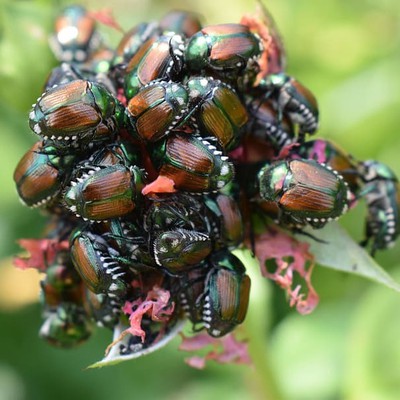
x=115 y=357
x=342 y=253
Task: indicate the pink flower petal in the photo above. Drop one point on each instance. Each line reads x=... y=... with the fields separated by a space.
x=225 y=350
x=234 y=351
x=156 y=305
x=42 y=253
x=196 y=342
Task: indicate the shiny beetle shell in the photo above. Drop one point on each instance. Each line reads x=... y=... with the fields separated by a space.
x=176 y=211
x=191 y=290
x=40 y=174
x=76 y=111
x=193 y=164
x=381 y=191
x=227 y=292
x=75 y=35
x=132 y=41
x=305 y=191
x=104 y=193
x=102 y=308
x=61 y=284
x=222 y=48
x=265 y=124
x=121 y=152
x=226 y=219
x=157 y=58
x=96 y=263
x=156 y=109
x=217 y=110
x=179 y=250
x=294 y=99
x=329 y=153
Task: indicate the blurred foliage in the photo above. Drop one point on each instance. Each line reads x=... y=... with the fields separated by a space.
x=348 y=53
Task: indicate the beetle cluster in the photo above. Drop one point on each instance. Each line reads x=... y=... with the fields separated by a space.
x=153 y=158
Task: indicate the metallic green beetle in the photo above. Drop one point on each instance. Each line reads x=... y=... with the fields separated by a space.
x=80 y=111
x=216 y=110
x=294 y=99
x=41 y=174
x=382 y=194
x=157 y=59
x=98 y=264
x=102 y=193
x=329 y=153
x=225 y=49
x=67 y=326
x=226 y=296
x=156 y=109
x=180 y=249
x=304 y=191
x=191 y=163
x=75 y=36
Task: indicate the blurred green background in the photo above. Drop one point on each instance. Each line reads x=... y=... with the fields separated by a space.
x=348 y=53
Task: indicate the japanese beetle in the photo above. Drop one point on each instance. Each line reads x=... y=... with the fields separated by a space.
x=190 y=289
x=133 y=40
x=157 y=109
x=103 y=193
x=121 y=152
x=98 y=264
x=41 y=173
x=77 y=111
x=382 y=194
x=128 y=238
x=304 y=191
x=61 y=284
x=190 y=164
x=181 y=22
x=226 y=49
x=226 y=294
x=216 y=110
x=102 y=308
x=178 y=232
x=293 y=98
x=329 y=153
x=156 y=59
x=265 y=123
x=66 y=327
x=75 y=36
x=226 y=220
x=177 y=211
x=180 y=249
